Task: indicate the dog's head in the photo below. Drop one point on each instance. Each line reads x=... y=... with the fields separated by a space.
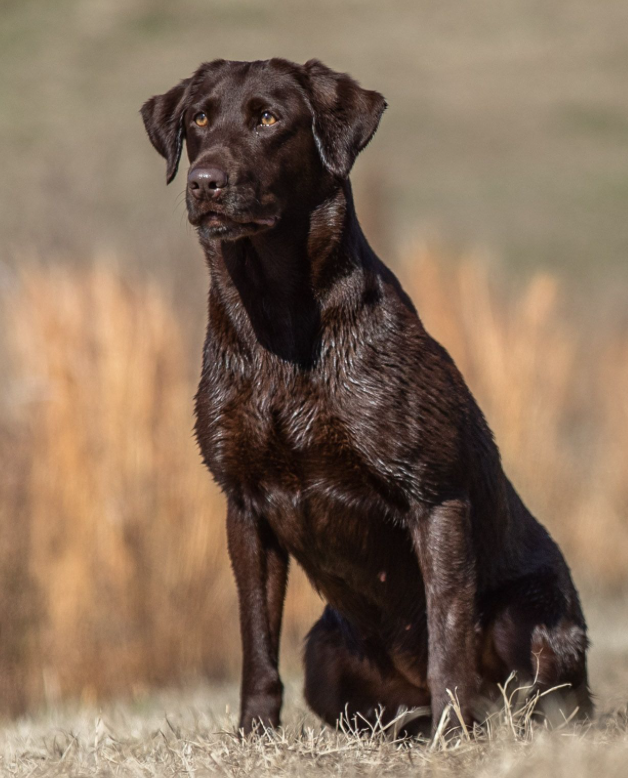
x=264 y=139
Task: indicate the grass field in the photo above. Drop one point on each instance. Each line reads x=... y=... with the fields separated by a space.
x=193 y=733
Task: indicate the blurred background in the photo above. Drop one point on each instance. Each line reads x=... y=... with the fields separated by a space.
x=496 y=187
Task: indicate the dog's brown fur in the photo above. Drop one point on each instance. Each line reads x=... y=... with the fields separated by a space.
x=341 y=433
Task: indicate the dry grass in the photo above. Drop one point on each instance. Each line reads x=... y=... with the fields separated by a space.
x=116 y=547
x=113 y=566
x=553 y=390
x=195 y=735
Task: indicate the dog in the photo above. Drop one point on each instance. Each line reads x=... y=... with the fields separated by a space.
x=341 y=433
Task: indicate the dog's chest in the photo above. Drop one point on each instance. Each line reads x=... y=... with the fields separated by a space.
x=289 y=447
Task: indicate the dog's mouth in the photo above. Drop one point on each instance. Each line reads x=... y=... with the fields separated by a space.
x=228 y=226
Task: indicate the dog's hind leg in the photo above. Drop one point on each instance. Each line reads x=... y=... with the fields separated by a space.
x=541 y=635
x=345 y=678
x=559 y=657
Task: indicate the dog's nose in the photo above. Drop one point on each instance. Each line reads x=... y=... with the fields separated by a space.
x=206 y=181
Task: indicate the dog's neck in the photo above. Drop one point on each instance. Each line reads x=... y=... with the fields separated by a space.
x=274 y=287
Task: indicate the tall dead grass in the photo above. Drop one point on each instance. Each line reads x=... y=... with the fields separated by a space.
x=554 y=390
x=113 y=566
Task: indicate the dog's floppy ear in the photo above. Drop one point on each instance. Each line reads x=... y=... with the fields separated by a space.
x=344 y=116
x=163 y=119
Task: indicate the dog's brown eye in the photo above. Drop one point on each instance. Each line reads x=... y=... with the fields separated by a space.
x=201 y=119
x=267 y=118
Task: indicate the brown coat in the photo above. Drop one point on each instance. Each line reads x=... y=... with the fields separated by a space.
x=341 y=433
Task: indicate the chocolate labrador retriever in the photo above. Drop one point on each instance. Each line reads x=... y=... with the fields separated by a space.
x=341 y=433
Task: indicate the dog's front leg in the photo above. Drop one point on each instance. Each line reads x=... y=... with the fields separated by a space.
x=443 y=543
x=261 y=570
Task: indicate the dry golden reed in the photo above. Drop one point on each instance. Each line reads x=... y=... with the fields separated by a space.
x=554 y=394
x=113 y=566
